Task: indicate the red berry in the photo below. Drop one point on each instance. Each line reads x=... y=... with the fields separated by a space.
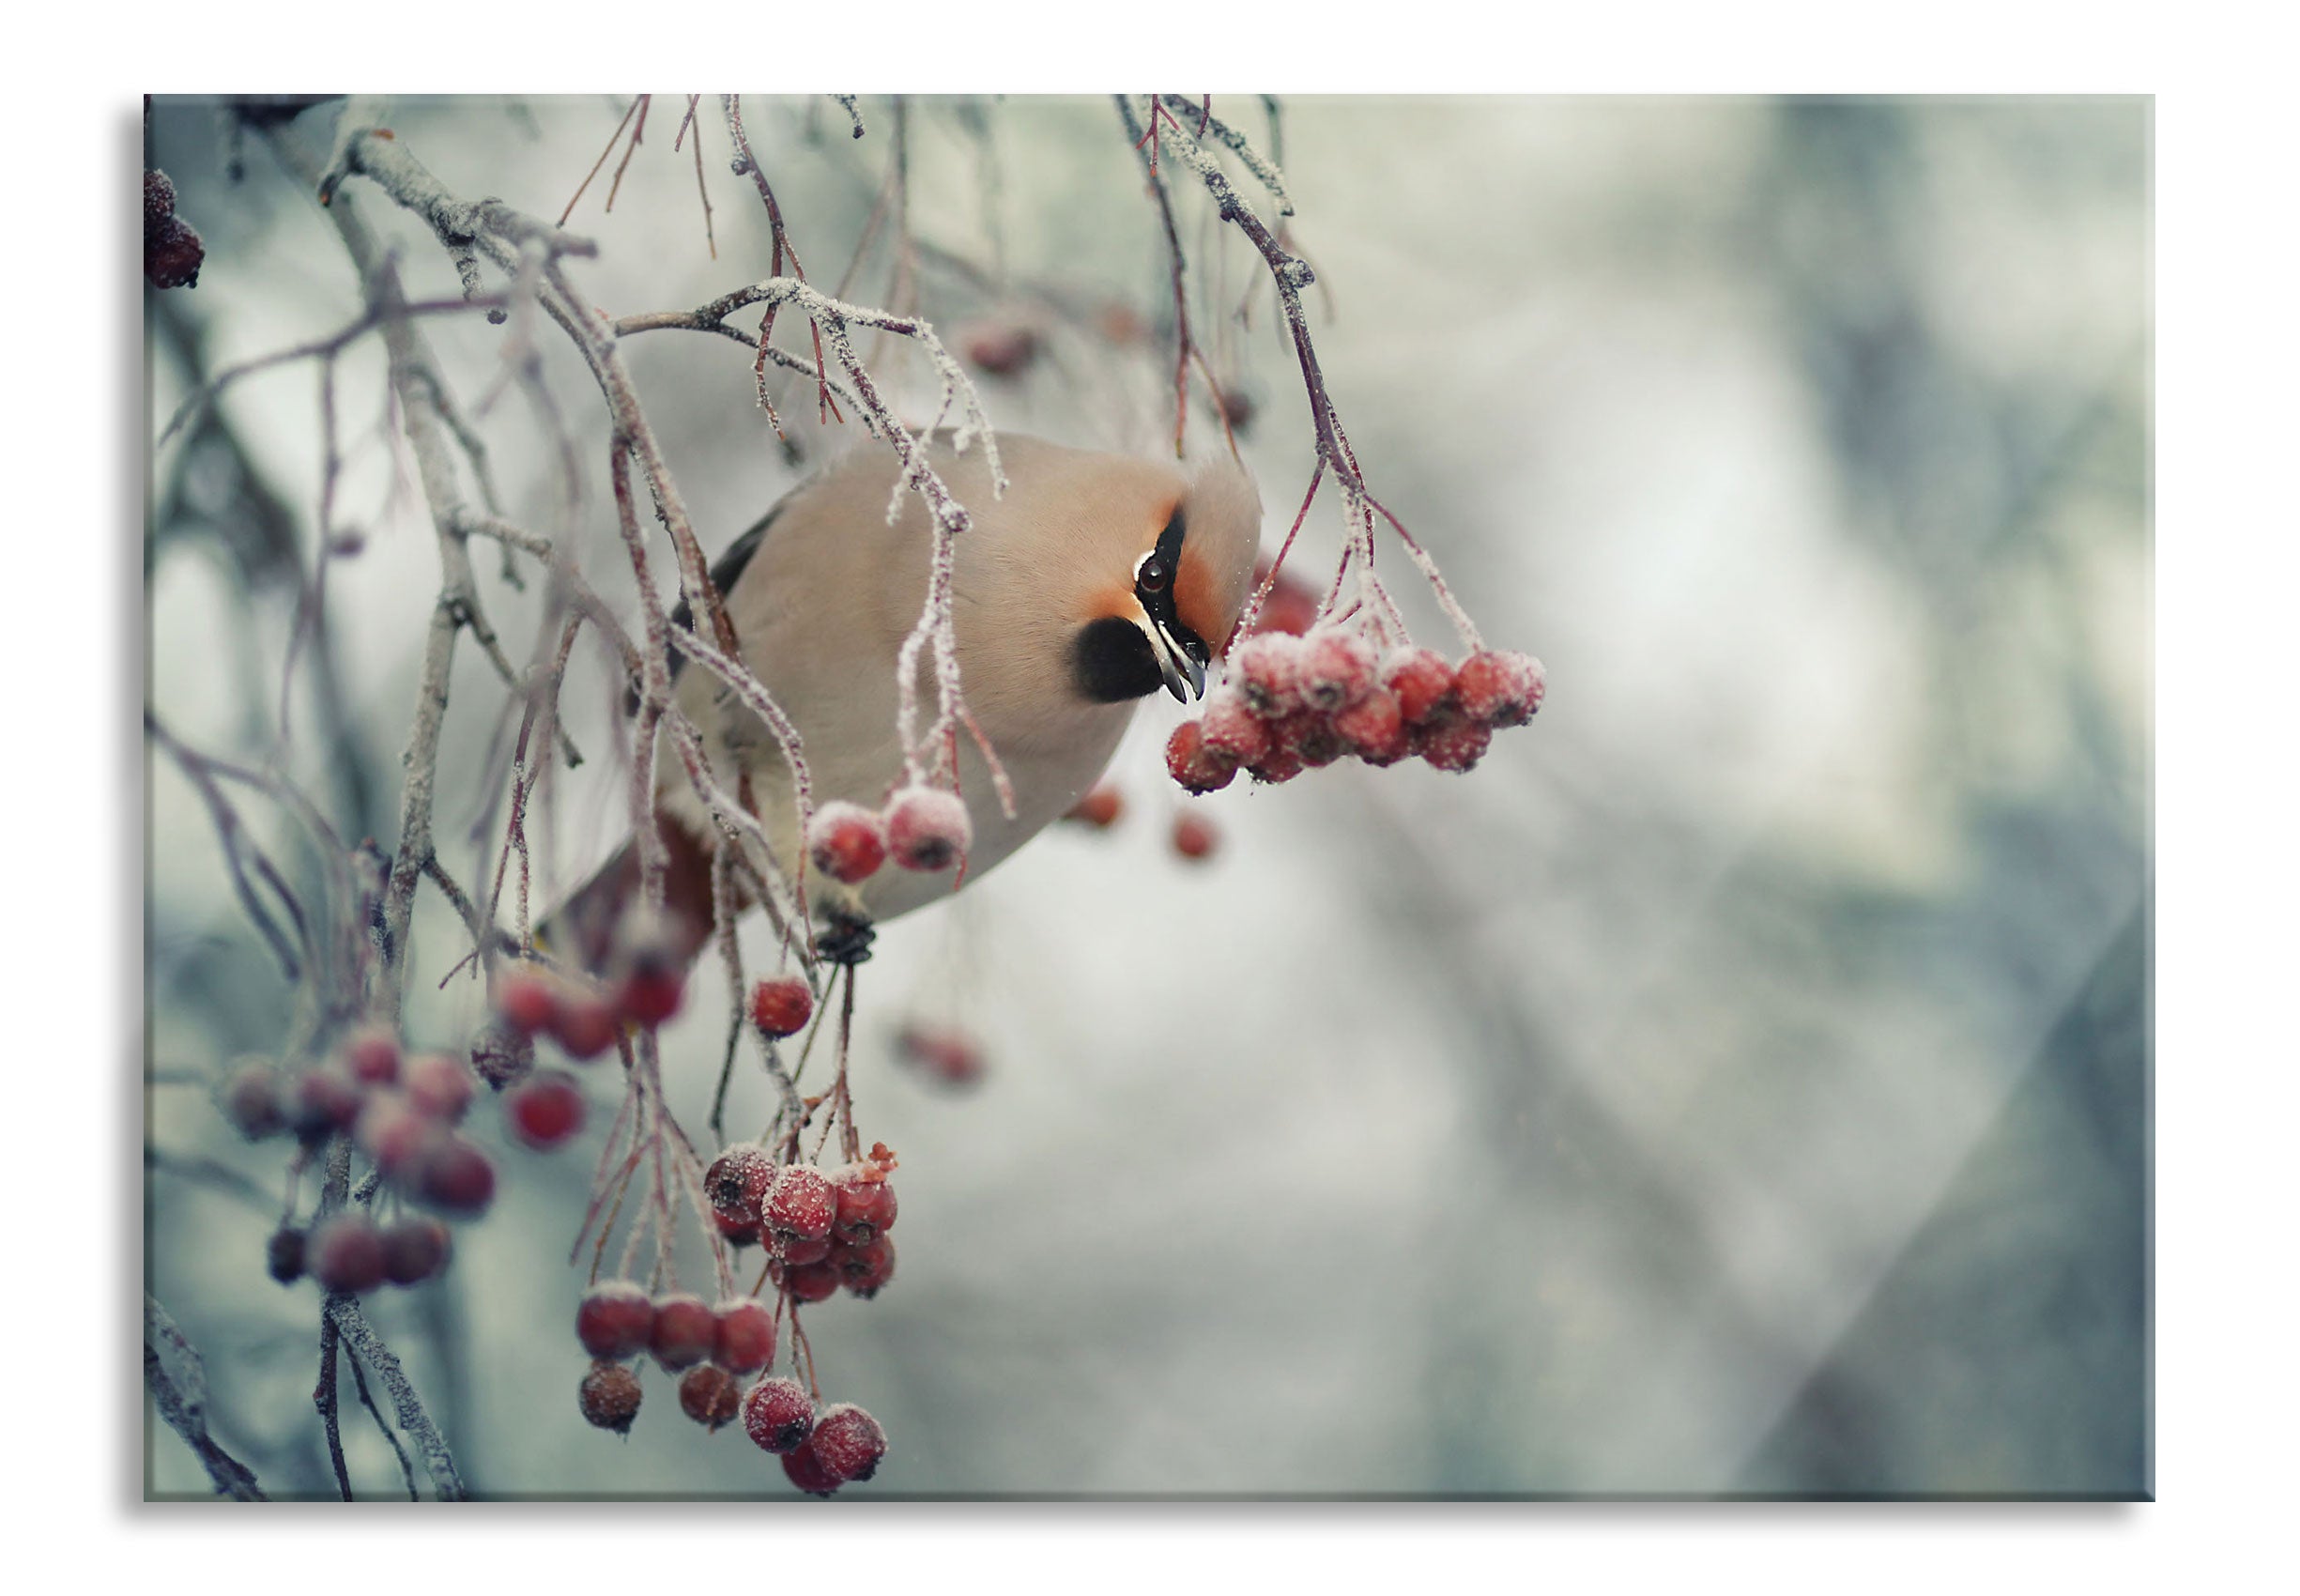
x=737 y=1182
x=1001 y=348
x=800 y=1205
x=1422 y=681
x=441 y=1086
x=686 y=1330
x=846 y=841
x=945 y=1055
x=1231 y=729
x=609 y=1396
x=1501 y=687
x=779 y=1414
x=1311 y=737
x=1194 y=836
x=585 y=1026
x=345 y=1253
x=848 y=1442
x=455 y=1177
x=396 y=1134
x=651 y=988
x=1455 y=747
x=1099 y=808
x=528 y=1002
x=818 y=1281
x=251 y=1099
x=615 y=1319
x=792 y=1254
x=1334 y=671
x=159 y=199
x=865 y=1204
x=172 y=254
x=1193 y=765
x=736 y=1231
x=782 y=1005
x=322 y=1102
x=1266 y=668
x=371 y=1056
x=746 y=1342
x=928 y=829
x=708 y=1395
x=1374 y=728
x=806 y=1470
x=414 y=1250
x=1280 y=764
x=502 y=1055
x=545 y=1110
x=865 y=1267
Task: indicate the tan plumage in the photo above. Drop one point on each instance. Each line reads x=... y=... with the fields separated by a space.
x=828 y=590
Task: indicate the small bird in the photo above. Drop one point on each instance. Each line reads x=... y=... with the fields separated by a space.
x=1094 y=581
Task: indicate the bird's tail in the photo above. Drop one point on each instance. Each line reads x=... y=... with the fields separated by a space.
x=587 y=929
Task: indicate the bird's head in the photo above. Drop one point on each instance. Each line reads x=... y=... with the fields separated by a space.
x=1188 y=549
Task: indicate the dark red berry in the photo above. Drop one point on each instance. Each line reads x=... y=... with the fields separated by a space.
x=1280 y=764
x=1194 y=836
x=928 y=829
x=737 y=1182
x=371 y=1056
x=502 y=1055
x=283 y=1255
x=159 y=199
x=251 y=1099
x=345 y=1253
x=609 y=1396
x=322 y=1102
x=1311 y=737
x=1499 y=687
x=779 y=1414
x=455 y=1177
x=1001 y=348
x=735 y=1232
x=846 y=841
x=806 y=1470
x=1374 y=728
x=652 y=985
x=545 y=1111
x=818 y=1281
x=585 y=1026
x=865 y=1267
x=781 y=1005
x=1334 y=670
x=615 y=1319
x=1230 y=729
x=1194 y=766
x=1099 y=808
x=1266 y=668
x=848 y=1442
x=709 y=1395
x=414 y=1250
x=1422 y=681
x=529 y=1001
x=793 y=1252
x=865 y=1204
x=686 y=1330
x=172 y=254
x=745 y=1341
x=801 y=1205
x=440 y=1085
x=1455 y=747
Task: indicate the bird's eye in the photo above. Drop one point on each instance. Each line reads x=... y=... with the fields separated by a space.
x=1152 y=573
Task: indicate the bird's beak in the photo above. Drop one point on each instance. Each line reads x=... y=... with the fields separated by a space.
x=1180 y=664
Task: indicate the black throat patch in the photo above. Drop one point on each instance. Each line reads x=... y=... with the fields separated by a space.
x=1111 y=662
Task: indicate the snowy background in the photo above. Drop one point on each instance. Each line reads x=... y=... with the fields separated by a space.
x=1737 y=1083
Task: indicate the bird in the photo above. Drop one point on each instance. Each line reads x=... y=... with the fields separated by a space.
x=1094 y=581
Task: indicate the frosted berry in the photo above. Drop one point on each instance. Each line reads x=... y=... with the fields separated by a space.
x=1334 y=670
x=708 y=1395
x=251 y=1099
x=846 y=841
x=801 y=1205
x=414 y=1250
x=793 y=1252
x=528 y=1002
x=865 y=1267
x=396 y=1134
x=848 y=1442
x=1311 y=737
x=1099 y=808
x=371 y=1056
x=345 y=1253
x=1268 y=669
x=652 y=985
x=818 y=1281
x=865 y=1204
x=737 y=1182
x=501 y=1054
x=684 y=1332
x=928 y=829
x=440 y=1085
x=806 y=1470
x=1422 y=681
x=609 y=1396
x=172 y=254
x=322 y=1102
x=1194 y=836
x=1231 y=729
x=945 y=1055
x=585 y=1026
x=159 y=199
x=615 y=1319
x=1195 y=767
x=737 y=1232
x=778 y=1413
x=545 y=1111
x=746 y=1342
x=1501 y=687
x=1280 y=764
x=455 y=1177
x=1455 y=747
x=1374 y=728
x=283 y=1255
x=781 y=1005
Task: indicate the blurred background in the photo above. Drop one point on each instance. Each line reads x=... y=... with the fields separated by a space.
x=1737 y=1083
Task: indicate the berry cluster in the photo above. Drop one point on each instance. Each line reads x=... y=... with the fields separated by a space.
x=584 y=1022
x=826 y=1229
x=1296 y=704
x=350 y=1252
x=172 y=250
x=922 y=828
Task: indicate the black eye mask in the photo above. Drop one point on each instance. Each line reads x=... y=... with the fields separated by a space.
x=1184 y=654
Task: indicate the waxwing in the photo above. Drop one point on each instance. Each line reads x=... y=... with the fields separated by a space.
x=1093 y=582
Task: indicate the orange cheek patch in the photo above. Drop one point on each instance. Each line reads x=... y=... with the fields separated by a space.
x=1117 y=599
x=1198 y=600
